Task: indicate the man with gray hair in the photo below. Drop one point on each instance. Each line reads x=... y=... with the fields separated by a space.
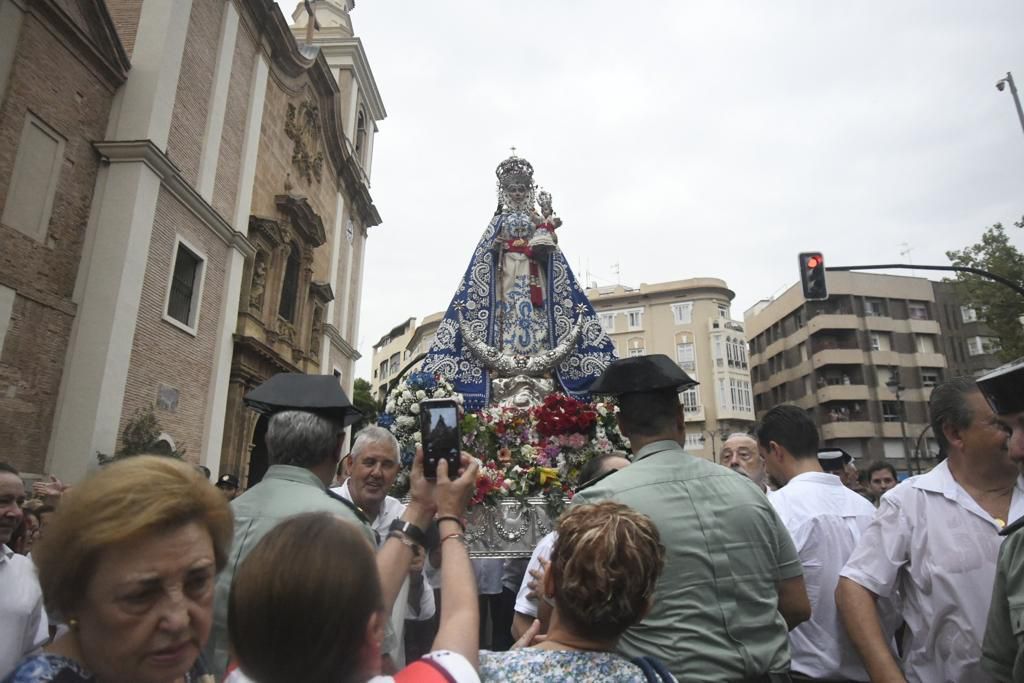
x=934 y=540
x=740 y=454
x=373 y=465
x=307 y=415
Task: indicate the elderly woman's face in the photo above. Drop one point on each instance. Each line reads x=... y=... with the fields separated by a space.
x=148 y=607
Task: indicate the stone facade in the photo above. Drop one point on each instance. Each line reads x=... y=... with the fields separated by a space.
x=221 y=181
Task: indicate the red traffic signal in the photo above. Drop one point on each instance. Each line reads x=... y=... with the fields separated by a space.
x=812 y=276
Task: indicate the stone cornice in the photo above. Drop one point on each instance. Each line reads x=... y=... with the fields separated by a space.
x=145 y=152
x=340 y=343
x=303 y=217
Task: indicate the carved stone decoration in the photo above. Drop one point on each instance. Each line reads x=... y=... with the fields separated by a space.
x=520 y=391
x=259 y=281
x=316 y=332
x=302 y=125
x=285 y=331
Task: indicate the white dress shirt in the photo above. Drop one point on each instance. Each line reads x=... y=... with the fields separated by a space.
x=934 y=544
x=825 y=520
x=23 y=623
x=390 y=510
x=525 y=604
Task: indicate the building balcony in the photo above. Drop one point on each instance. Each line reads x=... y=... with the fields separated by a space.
x=924 y=326
x=832 y=321
x=847 y=430
x=694 y=415
x=838 y=357
x=891 y=430
x=843 y=392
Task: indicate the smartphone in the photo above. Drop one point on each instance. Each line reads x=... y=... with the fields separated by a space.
x=439 y=430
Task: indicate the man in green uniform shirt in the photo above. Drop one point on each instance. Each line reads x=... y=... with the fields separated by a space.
x=1002 y=654
x=732 y=583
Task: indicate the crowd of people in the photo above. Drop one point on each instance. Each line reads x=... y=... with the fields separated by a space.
x=781 y=563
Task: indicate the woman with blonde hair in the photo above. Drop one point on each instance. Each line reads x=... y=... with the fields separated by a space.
x=604 y=566
x=128 y=562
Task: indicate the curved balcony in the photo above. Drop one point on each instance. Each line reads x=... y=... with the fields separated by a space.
x=838 y=357
x=848 y=430
x=843 y=392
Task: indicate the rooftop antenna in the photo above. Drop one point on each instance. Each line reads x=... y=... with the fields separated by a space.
x=905 y=251
x=618 y=273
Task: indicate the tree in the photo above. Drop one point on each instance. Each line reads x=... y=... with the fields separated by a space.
x=362 y=399
x=999 y=306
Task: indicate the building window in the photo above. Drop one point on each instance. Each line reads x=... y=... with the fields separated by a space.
x=979 y=346
x=917 y=311
x=874 y=307
x=383 y=370
x=719 y=357
x=290 y=285
x=636 y=319
x=686 y=356
x=890 y=411
x=361 y=137
x=695 y=441
x=636 y=347
x=736 y=352
x=722 y=396
x=186 y=286
x=690 y=400
x=929 y=377
x=968 y=314
x=723 y=311
x=683 y=313
x=925 y=343
x=395 y=362
x=33 y=184
x=607 y=322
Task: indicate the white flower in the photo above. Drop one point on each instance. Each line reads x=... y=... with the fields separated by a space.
x=420 y=394
x=407 y=395
x=406 y=421
x=414 y=409
x=417 y=437
x=458 y=399
x=390 y=407
x=601 y=410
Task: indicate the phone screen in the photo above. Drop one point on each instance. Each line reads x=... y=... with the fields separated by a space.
x=440 y=427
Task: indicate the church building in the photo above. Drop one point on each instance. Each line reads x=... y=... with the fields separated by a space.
x=185 y=202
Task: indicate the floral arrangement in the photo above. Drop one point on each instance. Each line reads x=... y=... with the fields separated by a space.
x=524 y=452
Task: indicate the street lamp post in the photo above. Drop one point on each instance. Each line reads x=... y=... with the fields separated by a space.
x=1008 y=81
x=896 y=387
x=714 y=448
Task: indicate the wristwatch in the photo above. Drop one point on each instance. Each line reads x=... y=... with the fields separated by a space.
x=415 y=533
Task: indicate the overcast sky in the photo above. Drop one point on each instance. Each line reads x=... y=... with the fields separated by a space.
x=688 y=139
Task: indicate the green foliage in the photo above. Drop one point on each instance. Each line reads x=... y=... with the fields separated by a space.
x=362 y=399
x=139 y=437
x=1000 y=307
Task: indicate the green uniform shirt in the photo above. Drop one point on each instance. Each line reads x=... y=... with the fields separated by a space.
x=285 y=491
x=1002 y=654
x=715 y=615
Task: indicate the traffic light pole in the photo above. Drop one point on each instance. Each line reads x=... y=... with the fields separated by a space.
x=960 y=269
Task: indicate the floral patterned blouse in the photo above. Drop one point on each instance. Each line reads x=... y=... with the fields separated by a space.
x=532 y=665
x=47 y=668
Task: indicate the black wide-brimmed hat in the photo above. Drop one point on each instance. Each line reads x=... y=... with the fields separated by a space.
x=640 y=374
x=1004 y=388
x=320 y=394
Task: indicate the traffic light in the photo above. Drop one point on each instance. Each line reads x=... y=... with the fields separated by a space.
x=812 y=276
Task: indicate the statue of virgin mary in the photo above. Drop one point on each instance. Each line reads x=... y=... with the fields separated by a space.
x=518 y=317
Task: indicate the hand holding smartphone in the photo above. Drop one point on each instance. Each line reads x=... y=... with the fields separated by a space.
x=439 y=433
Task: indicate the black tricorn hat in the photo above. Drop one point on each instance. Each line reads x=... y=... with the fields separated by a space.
x=320 y=394
x=640 y=374
x=833 y=459
x=1004 y=388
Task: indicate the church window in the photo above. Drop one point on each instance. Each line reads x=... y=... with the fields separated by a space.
x=290 y=285
x=34 y=179
x=185 y=288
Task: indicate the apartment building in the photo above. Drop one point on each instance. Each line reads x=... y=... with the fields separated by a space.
x=971 y=348
x=400 y=349
x=691 y=322
x=863 y=363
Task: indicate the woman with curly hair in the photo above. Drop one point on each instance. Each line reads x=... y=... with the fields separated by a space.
x=604 y=567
